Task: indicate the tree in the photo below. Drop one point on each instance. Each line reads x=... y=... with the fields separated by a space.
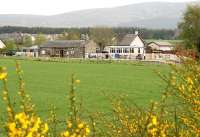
x=10 y=45
x=73 y=35
x=27 y=41
x=40 y=39
x=190 y=27
x=63 y=36
x=102 y=36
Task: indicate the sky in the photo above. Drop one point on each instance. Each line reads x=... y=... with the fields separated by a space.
x=52 y=7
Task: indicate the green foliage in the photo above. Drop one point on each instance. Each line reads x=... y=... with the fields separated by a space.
x=10 y=45
x=70 y=35
x=73 y=35
x=40 y=39
x=102 y=36
x=63 y=36
x=120 y=31
x=27 y=41
x=190 y=27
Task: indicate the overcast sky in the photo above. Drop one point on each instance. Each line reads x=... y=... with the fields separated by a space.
x=50 y=7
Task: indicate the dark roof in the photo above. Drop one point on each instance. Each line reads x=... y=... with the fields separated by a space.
x=64 y=43
x=127 y=39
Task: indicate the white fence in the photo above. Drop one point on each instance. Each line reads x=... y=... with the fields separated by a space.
x=147 y=57
x=162 y=57
x=27 y=54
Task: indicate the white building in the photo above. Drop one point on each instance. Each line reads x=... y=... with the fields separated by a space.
x=29 y=51
x=162 y=46
x=2 y=45
x=131 y=47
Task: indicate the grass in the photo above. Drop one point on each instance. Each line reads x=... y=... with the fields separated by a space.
x=48 y=83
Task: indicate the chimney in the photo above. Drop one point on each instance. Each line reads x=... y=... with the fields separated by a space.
x=136 y=32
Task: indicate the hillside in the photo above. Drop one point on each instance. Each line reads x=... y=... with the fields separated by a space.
x=147 y=15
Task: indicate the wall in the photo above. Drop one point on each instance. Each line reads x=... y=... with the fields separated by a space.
x=91 y=47
x=138 y=43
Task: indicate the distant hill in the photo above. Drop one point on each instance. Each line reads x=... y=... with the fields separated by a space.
x=147 y=15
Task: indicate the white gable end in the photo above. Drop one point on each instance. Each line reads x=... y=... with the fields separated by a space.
x=166 y=48
x=137 y=42
x=2 y=45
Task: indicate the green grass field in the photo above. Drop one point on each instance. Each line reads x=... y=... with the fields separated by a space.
x=48 y=83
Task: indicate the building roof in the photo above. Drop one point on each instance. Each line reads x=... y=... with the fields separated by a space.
x=127 y=40
x=162 y=43
x=32 y=47
x=64 y=43
x=2 y=45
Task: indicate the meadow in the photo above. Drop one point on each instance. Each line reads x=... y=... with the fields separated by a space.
x=48 y=83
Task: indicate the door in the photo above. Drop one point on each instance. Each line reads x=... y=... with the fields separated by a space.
x=61 y=53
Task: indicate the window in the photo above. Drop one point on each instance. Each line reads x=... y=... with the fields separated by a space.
x=43 y=52
x=138 y=50
x=72 y=52
x=118 y=50
x=132 y=50
x=112 y=50
x=126 y=50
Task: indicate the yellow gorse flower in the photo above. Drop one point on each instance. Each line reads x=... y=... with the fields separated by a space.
x=190 y=81
x=3 y=73
x=77 y=81
x=79 y=129
x=27 y=126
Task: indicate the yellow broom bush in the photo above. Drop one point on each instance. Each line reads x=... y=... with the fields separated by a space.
x=25 y=123
x=75 y=127
x=184 y=87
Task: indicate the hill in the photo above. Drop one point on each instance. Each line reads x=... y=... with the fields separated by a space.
x=148 y=15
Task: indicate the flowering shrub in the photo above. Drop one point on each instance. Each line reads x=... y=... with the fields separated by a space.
x=26 y=126
x=78 y=129
x=184 y=86
x=176 y=114
x=75 y=127
x=24 y=123
x=3 y=73
x=130 y=120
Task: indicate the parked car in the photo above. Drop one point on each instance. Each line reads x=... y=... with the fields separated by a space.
x=92 y=56
x=10 y=53
x=139 y=57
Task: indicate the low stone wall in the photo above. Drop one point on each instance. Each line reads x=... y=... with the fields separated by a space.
x=162 y=57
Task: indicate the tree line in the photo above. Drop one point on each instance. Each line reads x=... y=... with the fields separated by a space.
x=145 y=33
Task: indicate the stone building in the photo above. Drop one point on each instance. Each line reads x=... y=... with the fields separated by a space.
x=68 y=48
